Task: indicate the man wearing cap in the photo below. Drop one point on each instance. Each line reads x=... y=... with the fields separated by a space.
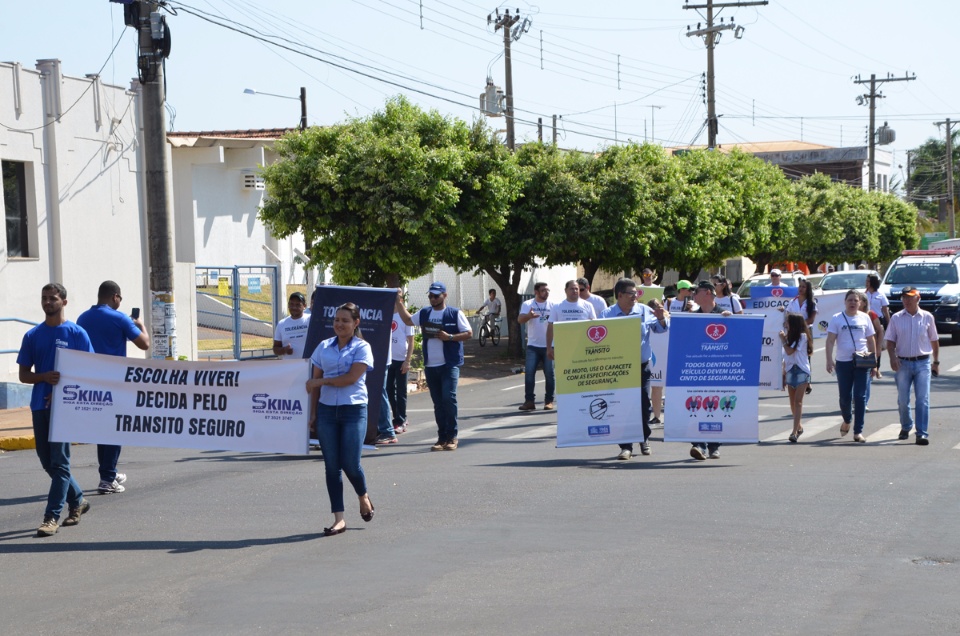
x=290 y=335
x=911 y=342
x=775 y=278
x=650 y=320
x=444 y=330
x=684 y=300
x=706 y=298
x=599 y=304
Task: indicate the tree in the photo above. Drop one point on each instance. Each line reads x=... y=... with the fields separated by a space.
x=835 y=222
x=898 y=225
x=927 y=181
x=388 y=196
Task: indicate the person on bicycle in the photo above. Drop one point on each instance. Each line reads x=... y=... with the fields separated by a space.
x=492 y=306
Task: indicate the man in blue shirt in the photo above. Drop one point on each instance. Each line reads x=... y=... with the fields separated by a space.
x=37 y=360
x=656 y=320
x=109 y=331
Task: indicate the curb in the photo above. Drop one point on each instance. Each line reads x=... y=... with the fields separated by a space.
x=26 y=442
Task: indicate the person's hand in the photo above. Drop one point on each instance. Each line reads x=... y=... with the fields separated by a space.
x=314 y=383
x=550 y=353
x=139 y=324
x=399 y=302
x=782 y=334
x=405 y=367
x=894 y=363
x=830 y=366
x=50 y=377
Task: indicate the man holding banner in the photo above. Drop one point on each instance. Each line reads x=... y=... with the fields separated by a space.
x=655 y=320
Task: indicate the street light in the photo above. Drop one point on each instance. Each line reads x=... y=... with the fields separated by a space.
x=302 y=98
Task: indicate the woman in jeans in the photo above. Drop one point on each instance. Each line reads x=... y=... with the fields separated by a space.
x=851 y=331
x=338 y=406
x=797 y=348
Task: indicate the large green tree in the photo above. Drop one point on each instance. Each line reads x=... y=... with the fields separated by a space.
x=897 y=225
x=927 y=181
x=387 y=196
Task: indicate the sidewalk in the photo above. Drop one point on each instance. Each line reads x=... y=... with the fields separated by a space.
x=480 y=364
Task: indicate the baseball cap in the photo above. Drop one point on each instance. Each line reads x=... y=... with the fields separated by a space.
x=705 y=284
x=776 y=272
x=684 y=284
x=299 y=297
x=910 y=291
x=437 y=288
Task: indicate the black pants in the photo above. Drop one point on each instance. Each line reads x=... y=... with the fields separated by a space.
x=646 y=406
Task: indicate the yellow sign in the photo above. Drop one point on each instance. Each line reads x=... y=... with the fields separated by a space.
x=597 y=354
x=223 y=286
x=646 y=294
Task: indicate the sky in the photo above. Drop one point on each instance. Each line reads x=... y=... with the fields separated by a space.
x=612 y=70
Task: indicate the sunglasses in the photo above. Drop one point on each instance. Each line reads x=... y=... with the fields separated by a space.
x=433 y=295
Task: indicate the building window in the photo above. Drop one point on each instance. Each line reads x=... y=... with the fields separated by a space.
x=15 y=207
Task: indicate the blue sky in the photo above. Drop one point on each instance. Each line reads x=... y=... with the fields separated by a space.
x=788 y=77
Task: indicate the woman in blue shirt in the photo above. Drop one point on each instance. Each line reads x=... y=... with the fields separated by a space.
x=338 y=407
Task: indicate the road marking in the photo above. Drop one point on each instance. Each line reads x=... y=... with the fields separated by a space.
x=548 y=431
x=957 y=447
x=954 y=369
x=520 y=386
x=811 y=427
x=886 y=435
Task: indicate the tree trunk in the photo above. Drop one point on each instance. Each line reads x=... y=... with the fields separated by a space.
x=590 y=270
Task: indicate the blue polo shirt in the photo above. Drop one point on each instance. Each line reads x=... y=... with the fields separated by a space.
x=108 y=329
x=334 y=362
x=648 y=322
x=39 y=350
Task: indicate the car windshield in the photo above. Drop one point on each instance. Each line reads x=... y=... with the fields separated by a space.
x=922 y=274
x=851 y=280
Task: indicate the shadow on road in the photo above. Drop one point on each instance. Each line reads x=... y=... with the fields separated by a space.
x=173 y=547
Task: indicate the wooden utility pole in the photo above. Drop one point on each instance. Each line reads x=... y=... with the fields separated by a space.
x=506 y=22
x=872 y=96
x=950 y=198
x=711 y=35
x=154 y=47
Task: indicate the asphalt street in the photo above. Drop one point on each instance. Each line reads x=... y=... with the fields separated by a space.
x=511 y=535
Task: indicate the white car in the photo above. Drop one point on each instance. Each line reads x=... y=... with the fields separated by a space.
x=761 y=280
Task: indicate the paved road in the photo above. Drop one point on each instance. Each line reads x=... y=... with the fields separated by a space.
x=511 y=535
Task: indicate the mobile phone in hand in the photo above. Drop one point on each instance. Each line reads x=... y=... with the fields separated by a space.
x=135 y=313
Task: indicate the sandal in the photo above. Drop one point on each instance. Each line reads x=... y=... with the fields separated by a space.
x=844 y=428
x=367 y=516
x=793 y=438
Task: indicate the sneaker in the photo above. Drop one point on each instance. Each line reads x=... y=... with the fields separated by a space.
x=528 y=406
x=645 y=448
x=399 y=429
x=383 y=439
x=859 y=438
x=438 y=446
x=48 y=528
x=922 y=441
x=697 y=453
x=715 y=454
x=110 y=488
x=549 y=406
x=75 y=513
x=654 y=420
x=121 y=478
x=451 y=445
x=903 y=434
x=625 y=454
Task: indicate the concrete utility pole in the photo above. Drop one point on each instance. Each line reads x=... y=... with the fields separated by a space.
x=872 y=96
x=506 y=22
x=711 y=35
x=950 y=199
x=154 y=47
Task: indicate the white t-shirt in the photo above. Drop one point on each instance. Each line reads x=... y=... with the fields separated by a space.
x=293 y=331
x=399 y=331
x=877 y=302
x=566 y=311
x=599 y=304
x=798 y=357
x=861 y=328
x=729 y=303
x=677 y=305
x=493 y=306
x=537 y=327
x=435 y=346
x=796 y=306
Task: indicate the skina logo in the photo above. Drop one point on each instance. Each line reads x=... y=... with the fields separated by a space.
x=263 y=403
x=75 y=394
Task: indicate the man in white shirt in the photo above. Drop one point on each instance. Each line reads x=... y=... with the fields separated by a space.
x=290 y=335
x=573 y=308
x=493 y=307
x=776 y=279
x=535 y=314
x=599 y=304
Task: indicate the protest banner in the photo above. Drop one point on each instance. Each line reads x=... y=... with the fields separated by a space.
x=713 y=376
x=376 y=321
x=770 y=302
x=598 y=371
x=246 y=406
x=828 y=305
x=659 y=348
x=646 y=294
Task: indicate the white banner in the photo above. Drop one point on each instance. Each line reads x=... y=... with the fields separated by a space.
x=659 y=347
x=239 y=406
x=771 y=303
x=828 y=304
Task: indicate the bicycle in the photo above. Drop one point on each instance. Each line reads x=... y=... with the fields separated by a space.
x=491 y=332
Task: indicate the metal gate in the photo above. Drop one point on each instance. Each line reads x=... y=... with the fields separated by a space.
x=238 y=307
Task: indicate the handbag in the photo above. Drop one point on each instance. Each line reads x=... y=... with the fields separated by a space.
x=861 y=359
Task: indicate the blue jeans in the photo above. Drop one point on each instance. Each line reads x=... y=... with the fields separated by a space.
x=107 y=457
x=341 y=430
x=442 y=382
x=385 y=419
x=55 y=459
x=535 y=357
x=397 y=392
x=853 y=391
x=917 y=373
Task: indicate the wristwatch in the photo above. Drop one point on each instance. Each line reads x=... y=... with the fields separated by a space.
x=451 y=336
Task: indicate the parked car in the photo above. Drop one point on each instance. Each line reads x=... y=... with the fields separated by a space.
x=851 y=279
x=936 y=274
x=760 y=280
x=814 y=279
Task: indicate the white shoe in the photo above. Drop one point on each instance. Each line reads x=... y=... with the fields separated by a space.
x=110 y=488
x=121 y=478
x=625 y=454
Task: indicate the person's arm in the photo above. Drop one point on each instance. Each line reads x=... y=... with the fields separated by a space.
x=313 y=388
x=935 y=365
x=27 y=376
x=356 y=370
x=886 y=314
x=402 y=310
x=527 y=317
x=787 y=348
x=550 y=340
x=892 y=354
x=279 y=349
x=831 y=339
x=406 y=363
x=465 y=334
x=142 y=342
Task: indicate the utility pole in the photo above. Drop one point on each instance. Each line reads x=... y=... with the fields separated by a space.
x=554 y=130
x=872 y=96
x=711 y=36
x=653 y=122
x=506 y=22
x=950 y=201
x=154 y=47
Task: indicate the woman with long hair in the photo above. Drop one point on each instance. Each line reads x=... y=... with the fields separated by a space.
x=797 y=348
x=880 y=306
x=726 y=299
x=851 y=332
x=804 y=303
x=338 y=406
